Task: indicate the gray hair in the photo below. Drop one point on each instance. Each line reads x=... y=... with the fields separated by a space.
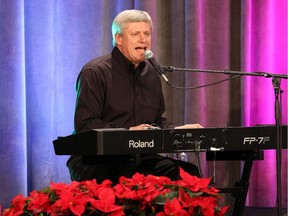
x=129 y=16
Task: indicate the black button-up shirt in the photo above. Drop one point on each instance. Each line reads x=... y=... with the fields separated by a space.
x=111 y=93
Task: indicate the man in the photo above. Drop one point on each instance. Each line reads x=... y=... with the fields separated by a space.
x=122 y=90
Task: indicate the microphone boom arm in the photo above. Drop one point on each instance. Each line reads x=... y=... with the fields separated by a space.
x=226 y=71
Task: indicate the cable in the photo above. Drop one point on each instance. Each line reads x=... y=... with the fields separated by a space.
x=198 y=162
x=202 y=86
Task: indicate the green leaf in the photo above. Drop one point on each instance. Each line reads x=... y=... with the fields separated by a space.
x=161 y=199
x=46 y=190
x=53 y=196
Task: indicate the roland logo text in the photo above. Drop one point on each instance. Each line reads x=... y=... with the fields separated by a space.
x=141 y=144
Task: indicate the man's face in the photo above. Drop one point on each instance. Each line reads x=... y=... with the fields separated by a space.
x=134 y=40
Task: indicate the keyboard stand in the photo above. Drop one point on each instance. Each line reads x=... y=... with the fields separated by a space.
x=240 y=189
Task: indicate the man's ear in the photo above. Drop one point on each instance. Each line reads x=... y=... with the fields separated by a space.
x=118 y=39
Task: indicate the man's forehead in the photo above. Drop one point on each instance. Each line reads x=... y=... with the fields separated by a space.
x=137 y=26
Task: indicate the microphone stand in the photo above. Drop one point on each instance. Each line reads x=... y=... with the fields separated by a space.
x=276 y=80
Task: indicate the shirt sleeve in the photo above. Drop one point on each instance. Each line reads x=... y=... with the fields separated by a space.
x=162 y=121
x=90 y=87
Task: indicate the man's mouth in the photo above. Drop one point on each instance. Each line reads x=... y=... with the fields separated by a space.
x=141 y=48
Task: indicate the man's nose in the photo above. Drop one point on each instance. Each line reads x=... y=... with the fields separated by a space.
x=143 y=37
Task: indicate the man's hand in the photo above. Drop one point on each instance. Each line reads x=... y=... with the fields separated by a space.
x=141 y=127
x=147 y=127
x=187 y=126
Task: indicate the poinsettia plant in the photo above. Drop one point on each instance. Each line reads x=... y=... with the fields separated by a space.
x=140 y=195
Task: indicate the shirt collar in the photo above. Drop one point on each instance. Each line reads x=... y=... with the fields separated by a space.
x=123 y=60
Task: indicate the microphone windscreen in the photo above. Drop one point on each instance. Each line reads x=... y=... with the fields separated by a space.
x=148 y=54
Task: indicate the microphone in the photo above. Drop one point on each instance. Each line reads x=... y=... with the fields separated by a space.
x=148 y=55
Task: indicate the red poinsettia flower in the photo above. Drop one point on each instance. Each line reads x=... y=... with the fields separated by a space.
x=185 y=199
x=38 y=202
x=92 y=188
x=174 y=208
x=139 y=195
x=211 y=191
x=123 y=192
x=71 y=202
x=17 y=206
x=223 y=211
x=193 y=182
x=207 y=207
x=107 y=208
x=150 y=194
x=106 y=200
x=73 y=187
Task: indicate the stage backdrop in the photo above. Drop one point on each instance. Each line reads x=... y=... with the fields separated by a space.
x=44 y=44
